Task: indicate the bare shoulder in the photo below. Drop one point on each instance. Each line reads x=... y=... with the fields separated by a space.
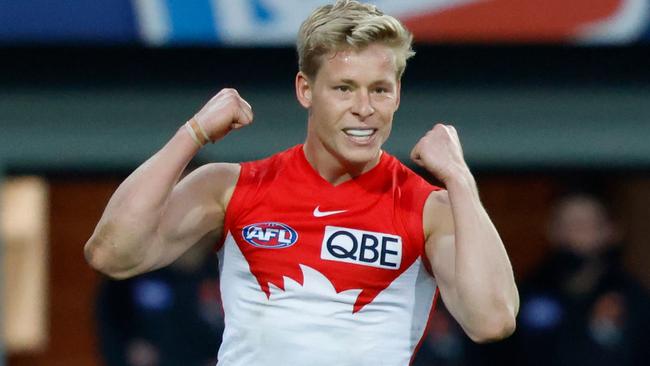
x=216 y=180
x=223 y=171
x=437 y=216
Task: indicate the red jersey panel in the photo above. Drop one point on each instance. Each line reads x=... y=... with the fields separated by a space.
x=307 y=263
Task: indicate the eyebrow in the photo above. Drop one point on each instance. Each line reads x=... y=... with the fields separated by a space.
x=374 y=83
x=349 y=81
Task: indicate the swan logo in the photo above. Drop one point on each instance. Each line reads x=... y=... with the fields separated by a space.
x=270 y=235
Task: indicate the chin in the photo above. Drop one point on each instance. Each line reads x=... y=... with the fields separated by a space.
x=360 y=155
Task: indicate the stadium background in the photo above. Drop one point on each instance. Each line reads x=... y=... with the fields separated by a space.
x=545 y=94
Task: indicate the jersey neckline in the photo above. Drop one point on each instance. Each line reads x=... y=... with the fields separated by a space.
x=368 y=177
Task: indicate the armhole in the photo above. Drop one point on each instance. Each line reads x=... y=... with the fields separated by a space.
x=425 y=256
x=233 y=207
x=419 y=191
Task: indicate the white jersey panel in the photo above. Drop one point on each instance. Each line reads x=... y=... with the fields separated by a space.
x=311 y=324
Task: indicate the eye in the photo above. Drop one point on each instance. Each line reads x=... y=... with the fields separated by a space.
x=342 y=88
x=381 y=90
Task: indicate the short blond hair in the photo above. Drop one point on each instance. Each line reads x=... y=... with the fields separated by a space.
x=350 y=24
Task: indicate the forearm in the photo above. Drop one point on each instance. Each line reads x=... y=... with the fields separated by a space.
x=127 y=230
x=484 y=281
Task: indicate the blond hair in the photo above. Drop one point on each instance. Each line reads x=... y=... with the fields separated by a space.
x=350 y=24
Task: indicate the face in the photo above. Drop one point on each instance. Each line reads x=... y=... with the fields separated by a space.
x=582 y=226
x=351 y=104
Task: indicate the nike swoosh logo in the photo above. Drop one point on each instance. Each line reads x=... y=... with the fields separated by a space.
x=319 y=213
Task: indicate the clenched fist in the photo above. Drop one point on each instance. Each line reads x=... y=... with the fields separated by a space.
x=440 y=153
x=226 y=111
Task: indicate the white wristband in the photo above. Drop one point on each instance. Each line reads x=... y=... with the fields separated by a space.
x=205 y=135
x=190 y=130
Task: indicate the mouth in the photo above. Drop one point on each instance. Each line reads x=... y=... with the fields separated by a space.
x=360 y=135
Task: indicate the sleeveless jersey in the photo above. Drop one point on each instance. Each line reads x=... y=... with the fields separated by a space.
x=320 y=275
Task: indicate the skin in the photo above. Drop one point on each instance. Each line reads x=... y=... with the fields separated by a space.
x=152 y=219
x=352 y=90
x=467 y=256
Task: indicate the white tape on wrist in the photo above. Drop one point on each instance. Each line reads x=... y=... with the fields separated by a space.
x=190 y=130
x=205 y=135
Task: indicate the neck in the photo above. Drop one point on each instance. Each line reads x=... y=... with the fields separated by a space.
x=333 y=168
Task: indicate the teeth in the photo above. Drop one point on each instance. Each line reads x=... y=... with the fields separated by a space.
x=359 y=132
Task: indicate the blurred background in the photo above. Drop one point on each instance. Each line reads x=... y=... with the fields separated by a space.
x=551 y=99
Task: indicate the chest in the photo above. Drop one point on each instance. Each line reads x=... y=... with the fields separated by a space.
x=356 y=241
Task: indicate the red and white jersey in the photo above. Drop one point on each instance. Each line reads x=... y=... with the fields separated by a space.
x=321 y=275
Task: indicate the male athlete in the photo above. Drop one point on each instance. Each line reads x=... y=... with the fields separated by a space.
x=331 y=252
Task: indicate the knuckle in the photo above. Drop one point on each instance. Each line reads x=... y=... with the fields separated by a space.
x=228 y=92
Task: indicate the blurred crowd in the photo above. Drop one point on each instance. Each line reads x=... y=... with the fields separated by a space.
x=580 y=306
x=169 y=317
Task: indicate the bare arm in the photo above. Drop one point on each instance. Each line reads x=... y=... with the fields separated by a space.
x=152 y=219
x=466 y=253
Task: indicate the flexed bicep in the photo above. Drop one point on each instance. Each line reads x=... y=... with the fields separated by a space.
x=196 y=209
x=440 y=247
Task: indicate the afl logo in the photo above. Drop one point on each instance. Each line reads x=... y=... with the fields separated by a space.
x=271 y=235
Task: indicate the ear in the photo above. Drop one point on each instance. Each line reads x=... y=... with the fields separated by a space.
x=303 y=90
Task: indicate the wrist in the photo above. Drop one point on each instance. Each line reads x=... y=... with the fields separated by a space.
x=196 y=132
x=460 y=180
x=182 y=135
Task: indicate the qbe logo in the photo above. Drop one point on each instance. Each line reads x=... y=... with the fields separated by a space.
x=272 y=235
x=367 y=248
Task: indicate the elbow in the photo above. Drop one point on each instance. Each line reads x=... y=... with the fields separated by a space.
x=99 y=258
x=92 y=253
x=495 y=329
x=499 y=322
x=496 y=325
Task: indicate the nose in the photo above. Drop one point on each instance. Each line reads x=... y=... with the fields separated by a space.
x=362 y=105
